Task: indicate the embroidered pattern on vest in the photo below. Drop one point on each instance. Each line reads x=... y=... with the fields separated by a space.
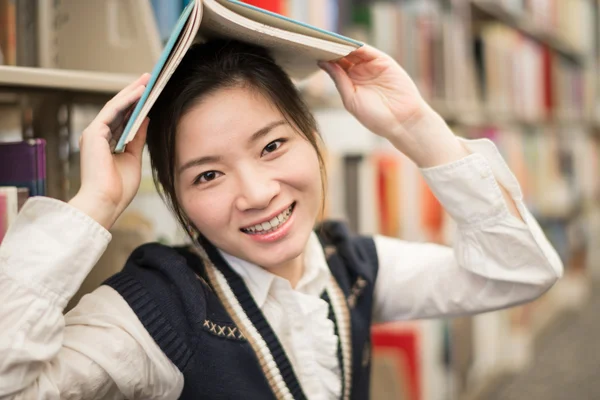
x=225 y=331
x=329 y=251
x=234 y=309
x=268 y=364
x=356 y=291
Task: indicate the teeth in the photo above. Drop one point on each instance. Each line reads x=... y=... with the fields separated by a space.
x=270 y=225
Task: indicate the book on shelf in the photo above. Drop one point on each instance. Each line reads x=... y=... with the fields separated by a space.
x=26 y=30
x=105 y=35
x=295 y=46
x=23 y=164
x=8 y=31
x=11 y=201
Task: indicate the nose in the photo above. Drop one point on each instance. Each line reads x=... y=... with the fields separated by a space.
x=256 y=189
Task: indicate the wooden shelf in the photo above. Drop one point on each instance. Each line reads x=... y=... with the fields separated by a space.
x=486 y=9
x=24 y=78
x=468 y=117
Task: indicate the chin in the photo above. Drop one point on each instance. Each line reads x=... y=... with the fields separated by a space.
x=274 y=256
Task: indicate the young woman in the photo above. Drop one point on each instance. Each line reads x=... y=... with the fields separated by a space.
x=262 y=304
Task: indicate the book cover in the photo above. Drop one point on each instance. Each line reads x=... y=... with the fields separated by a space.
x=295 y=46
x=22 y=164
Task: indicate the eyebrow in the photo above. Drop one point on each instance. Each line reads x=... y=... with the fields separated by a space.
x=212 y=159
x=265 y=130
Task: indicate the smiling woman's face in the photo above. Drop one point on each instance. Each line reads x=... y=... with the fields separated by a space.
x=245 y=178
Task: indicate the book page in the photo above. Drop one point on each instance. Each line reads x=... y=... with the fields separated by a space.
x=284 y=23
x=183 y=44
x=297 y=54
x=179 y=47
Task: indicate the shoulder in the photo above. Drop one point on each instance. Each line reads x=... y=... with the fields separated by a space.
x=161 y=286
x=176 y=264
x=159 y=268
x=358 y=250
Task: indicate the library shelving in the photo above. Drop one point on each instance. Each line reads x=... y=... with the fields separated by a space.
x=33 y=79
x=486 y=10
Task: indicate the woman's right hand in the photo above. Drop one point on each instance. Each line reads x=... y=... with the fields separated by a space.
x=110 y=181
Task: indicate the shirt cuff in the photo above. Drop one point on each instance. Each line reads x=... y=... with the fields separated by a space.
x=51 y=247
x=469 y=188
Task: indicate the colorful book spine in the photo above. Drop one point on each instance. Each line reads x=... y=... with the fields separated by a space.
x=23 y=164
x=8 y=31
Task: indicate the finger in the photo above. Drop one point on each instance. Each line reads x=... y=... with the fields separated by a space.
x=342 y=81
x=142 y=80
x=113 y=112
x=354 y=58
x=366 y=53
x=345 y=64
x=136 y=146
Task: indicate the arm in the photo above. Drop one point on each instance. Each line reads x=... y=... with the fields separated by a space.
x=497 y=260
x=500 y=256
x=99 y=348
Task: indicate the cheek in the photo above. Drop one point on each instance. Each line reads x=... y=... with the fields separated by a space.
x=305 y=171
x=207 y=211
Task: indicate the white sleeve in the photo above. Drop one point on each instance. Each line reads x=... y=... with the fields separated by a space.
x=496 y=260
x=99 y=350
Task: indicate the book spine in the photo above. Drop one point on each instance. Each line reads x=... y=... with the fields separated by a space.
x=27 y=51
x=8 y=31
x=47 y=48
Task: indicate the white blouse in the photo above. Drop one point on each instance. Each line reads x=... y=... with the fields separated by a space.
x=100 y=350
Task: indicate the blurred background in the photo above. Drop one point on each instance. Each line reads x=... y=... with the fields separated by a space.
x=523 y=73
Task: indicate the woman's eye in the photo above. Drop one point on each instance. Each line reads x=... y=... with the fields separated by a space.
x=271 y=147
x=206 y=177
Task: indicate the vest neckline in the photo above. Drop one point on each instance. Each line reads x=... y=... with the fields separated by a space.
x=237 y=300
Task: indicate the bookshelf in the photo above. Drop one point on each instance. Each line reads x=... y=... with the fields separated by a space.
x=31 y=79
x=485 y=10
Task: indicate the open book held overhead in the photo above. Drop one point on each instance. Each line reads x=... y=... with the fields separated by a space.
x=295 y=46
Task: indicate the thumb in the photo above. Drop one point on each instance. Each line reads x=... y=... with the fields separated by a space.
x=136 y=146
x=342 y=81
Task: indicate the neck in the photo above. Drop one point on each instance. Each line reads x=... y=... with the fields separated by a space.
x=291 y=270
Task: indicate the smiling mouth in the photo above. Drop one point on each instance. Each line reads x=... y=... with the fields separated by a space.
x=272 y=225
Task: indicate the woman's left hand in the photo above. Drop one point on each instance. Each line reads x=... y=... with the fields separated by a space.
x=381 y=95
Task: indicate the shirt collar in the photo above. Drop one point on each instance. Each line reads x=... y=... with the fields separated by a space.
x=259 y=280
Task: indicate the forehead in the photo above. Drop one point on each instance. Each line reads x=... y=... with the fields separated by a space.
x=231 y=115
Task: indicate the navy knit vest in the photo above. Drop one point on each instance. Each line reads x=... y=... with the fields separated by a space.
x=203 y=317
